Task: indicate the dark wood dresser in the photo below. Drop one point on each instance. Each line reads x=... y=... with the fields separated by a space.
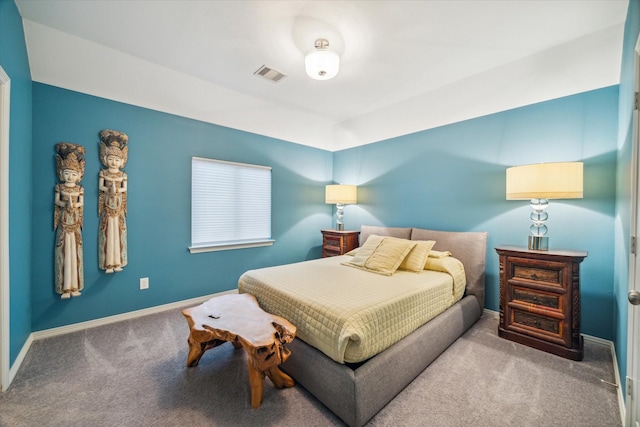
x=540 y=299
x=335 y=242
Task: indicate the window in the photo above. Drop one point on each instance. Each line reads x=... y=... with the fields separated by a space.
x=230 y=205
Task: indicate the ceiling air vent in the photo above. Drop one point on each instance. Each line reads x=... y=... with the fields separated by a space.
x=270 y=74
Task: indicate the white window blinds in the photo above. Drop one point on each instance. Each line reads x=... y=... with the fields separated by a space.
x=230 y=205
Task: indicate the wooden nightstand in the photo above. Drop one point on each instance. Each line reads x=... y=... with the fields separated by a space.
x=540 y=299
x=336 y=242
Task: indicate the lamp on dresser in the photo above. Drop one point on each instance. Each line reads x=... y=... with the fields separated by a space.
x=540 y=288
x=540 y=182
x=340 y=195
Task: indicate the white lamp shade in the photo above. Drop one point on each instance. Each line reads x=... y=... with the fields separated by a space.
x=545 y=181
x=345 y=194
x=322 y=64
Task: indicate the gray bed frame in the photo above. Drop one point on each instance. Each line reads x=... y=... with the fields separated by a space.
x=357 y=393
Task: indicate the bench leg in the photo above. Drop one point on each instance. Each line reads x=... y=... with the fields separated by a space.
x=256 y=380
x=279 y=378
x=197 y=349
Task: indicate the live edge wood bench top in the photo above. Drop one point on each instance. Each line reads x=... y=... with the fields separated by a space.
x=238 y=318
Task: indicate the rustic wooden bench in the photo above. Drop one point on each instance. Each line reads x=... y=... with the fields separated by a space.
x=238 y=318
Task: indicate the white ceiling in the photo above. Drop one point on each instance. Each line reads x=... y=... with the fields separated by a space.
x=406 y=66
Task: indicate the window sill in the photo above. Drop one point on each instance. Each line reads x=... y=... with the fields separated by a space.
x=229 y=246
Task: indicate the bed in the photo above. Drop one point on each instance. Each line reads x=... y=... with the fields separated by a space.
x=353 y=378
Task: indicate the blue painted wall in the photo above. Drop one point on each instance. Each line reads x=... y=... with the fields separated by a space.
x=453 y=178
x=159 y=205
x=14 y=61
x=447 y=178
x=623 y=197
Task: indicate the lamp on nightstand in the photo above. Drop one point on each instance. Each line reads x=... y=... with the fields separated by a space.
x=340 y=195
x=541 y=182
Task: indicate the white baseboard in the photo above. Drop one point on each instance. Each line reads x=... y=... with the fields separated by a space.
x=13 y=370
x=47 y=333
x=620 y=391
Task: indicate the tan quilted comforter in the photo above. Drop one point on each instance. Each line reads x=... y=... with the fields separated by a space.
x=350 y=314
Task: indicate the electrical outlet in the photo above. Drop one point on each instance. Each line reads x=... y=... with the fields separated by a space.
x=144 y=283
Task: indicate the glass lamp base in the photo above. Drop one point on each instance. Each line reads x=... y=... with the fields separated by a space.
x=340 y=215
x=539 y=243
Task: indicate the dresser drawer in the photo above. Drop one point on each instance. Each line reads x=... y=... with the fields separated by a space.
x=531 y=320
x=536 y=298
x=539 y=327
x=330 y=251
x=545 y=275
x=332 y=242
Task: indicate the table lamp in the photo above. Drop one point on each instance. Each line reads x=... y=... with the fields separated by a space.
x=340 y=195
x=541 y=182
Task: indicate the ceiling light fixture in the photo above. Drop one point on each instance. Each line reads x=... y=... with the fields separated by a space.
x=322 y=63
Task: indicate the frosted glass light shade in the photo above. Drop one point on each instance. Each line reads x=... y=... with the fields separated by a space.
x=344 y=194
x=545 y=181
x=322 y=64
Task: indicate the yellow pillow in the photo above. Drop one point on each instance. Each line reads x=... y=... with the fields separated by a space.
x=385 y=257
x=439 y=254
x=417 y=258
x=365 y=251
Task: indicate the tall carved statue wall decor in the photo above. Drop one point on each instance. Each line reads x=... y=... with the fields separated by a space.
x=68 y=218
x=112 y=201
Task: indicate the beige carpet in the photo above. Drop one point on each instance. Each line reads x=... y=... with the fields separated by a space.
x=133 y=373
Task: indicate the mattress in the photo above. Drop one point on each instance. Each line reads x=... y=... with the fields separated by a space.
x=347 y=313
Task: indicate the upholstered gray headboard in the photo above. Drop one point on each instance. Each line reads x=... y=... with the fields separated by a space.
x=470 y=247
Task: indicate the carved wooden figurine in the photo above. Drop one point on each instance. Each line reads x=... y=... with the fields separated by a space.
x=112 y=201
x=67 y=220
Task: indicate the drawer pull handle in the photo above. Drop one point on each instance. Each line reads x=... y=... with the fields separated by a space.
x=535 y=300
